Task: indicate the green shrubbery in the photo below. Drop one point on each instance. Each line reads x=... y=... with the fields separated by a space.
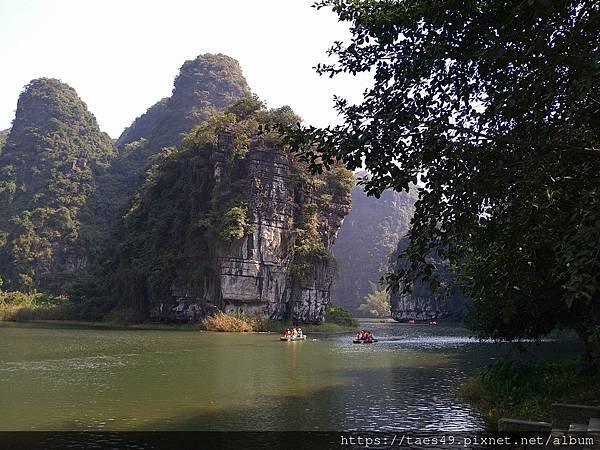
x=340 y=316
x=235 y=223
x=19 y=306
x=527 y=390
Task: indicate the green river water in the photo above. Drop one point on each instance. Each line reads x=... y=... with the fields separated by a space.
x=72 y=377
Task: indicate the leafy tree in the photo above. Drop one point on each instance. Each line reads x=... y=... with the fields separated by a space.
x=377 y=302
x=493 y=107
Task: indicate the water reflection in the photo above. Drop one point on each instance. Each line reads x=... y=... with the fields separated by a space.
x=94 y=379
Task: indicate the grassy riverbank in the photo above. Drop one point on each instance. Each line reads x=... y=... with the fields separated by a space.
x=19 y=307
x=527 y=390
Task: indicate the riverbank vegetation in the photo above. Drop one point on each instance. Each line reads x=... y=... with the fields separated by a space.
x=19 y=307
x=526 y=391
x=377 y=302
x=337 y=320
x=232 y=323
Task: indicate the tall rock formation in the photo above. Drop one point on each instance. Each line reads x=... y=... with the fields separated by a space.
x=205 y=86
x=421 y=304
x=232 y=221
x=369 y=235
x=48 y=169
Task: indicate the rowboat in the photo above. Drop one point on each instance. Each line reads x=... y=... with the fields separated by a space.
x=364 y=341
x=301 y=338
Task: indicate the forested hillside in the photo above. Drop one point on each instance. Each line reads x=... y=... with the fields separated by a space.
x=205 y=86
x=48 y=169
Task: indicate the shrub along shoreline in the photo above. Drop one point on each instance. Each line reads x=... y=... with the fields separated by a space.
x=526 y=391
x=19 y=306
x=223 y=322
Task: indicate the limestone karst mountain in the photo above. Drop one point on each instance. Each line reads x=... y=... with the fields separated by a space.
x=231 y=220
x=368 y=237
x=205 y=86
x=196 y=209
x=48 y=169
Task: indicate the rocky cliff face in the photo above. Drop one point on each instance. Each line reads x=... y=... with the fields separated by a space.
x=262 y=228
x=421 y=304
x=368 y=237
x=254 y=271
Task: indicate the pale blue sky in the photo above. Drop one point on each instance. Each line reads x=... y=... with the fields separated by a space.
x=122 y=55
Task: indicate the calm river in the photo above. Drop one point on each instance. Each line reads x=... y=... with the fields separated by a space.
x=61 y=377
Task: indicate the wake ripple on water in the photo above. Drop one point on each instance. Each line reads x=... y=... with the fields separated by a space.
x=66 y=364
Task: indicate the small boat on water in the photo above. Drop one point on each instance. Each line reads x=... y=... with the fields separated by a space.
x=364 y=341
x=297 y=338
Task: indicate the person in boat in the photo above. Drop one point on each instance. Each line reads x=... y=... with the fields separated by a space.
x=294 y=333
x=299 y=332
x=359 y=335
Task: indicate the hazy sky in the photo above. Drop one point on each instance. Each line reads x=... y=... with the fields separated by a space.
x=122 y=55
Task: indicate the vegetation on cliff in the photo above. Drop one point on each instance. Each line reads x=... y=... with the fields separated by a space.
x=48 y=169
x=493 y=107
x=187 y=208
x=3 y=136
x=205 y=86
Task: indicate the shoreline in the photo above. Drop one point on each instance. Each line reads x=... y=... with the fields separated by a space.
x=150 y=326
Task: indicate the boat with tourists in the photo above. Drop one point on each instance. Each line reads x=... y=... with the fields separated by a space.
x=293 y=334
x=364 y=337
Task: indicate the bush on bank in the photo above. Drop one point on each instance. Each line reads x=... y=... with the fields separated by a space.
x=342 y=322
x=526 y=391
x=340 y=316
x=232 y=323
x=20 y=306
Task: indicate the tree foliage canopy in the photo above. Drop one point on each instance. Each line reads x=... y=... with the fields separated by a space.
x=493 y=108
